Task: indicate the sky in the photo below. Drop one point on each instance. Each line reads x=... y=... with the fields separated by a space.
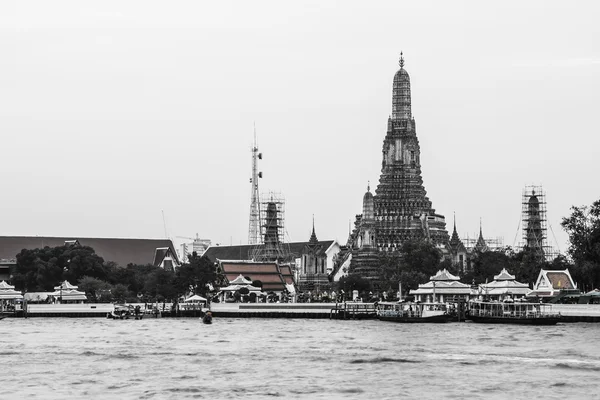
x=136 y=118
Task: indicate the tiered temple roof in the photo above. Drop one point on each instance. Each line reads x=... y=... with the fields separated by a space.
x=402 y=209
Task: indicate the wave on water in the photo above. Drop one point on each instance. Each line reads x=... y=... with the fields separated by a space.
x=351 y=390
x=89 y=353
x=379 y=360
x=186 y=377
x=579 y=365
x=122 y=356
x=185 y=390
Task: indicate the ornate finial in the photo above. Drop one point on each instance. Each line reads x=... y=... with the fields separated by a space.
x=401 y=60
x=368 y=186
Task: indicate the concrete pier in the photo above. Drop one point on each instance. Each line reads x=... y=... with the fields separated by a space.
x=69 y=310
x=294 y=310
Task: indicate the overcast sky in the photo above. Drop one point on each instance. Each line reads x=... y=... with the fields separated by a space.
x=112 y=112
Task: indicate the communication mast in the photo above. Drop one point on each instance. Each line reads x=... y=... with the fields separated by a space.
x=254 y=234
x=535 y=231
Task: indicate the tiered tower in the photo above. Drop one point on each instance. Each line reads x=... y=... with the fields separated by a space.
x=402 y=209
x=273 y=247
x=535 y=232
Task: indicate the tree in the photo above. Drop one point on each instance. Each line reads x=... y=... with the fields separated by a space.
x=120 y=293
x=353 y=282
x=96 y=290
x=197 y=275
x=583 y=228
x=487 y=264
x=160 y=284
x=42 y=269
x=413 y=264
x=82 y=261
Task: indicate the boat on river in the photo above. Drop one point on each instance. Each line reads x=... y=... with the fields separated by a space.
x=413 y=312
x=512 y=312
x=207 y=318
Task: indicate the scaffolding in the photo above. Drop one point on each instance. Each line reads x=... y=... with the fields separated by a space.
x=272 y=229
x=535 y=222
x=493 y=243
x=254 y=234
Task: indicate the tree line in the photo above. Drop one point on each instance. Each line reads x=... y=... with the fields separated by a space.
x=40 y=270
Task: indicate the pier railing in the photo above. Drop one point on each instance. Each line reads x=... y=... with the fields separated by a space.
x=353 y=310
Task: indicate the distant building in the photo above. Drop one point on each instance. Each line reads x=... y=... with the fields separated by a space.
x=457 y=252
x=273 y=277
x=118 y=250
x=313 y=274
x=294 y=252
x=165 y=258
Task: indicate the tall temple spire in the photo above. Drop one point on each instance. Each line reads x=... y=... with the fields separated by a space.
x=313 y=236
x=401 y=94
x=455 y=241
x=481 y=245
x=454 y=221
x=399 y=209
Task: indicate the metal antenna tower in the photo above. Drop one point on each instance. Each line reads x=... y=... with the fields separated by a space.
x=254 y=234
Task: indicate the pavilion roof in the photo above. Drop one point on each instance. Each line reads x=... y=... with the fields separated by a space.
x=5 y=286
x=444 y=275
x=504 y=276
x=8 y=292
x=65 y=286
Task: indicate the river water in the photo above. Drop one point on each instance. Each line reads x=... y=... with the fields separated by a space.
x=63 y=358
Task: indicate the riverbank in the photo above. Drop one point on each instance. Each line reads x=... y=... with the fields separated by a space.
x=349 y=310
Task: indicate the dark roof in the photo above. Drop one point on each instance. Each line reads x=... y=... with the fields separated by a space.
x=161 y=253
x=118 y=250
x=268 y=273
x=244 y=252
x=287 y=274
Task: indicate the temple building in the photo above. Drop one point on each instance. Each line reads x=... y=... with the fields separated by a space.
x=442 y=287
x=457 y=252
x=552 y=284
x=399 y=210
x=504 y=287
x=313 y=274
